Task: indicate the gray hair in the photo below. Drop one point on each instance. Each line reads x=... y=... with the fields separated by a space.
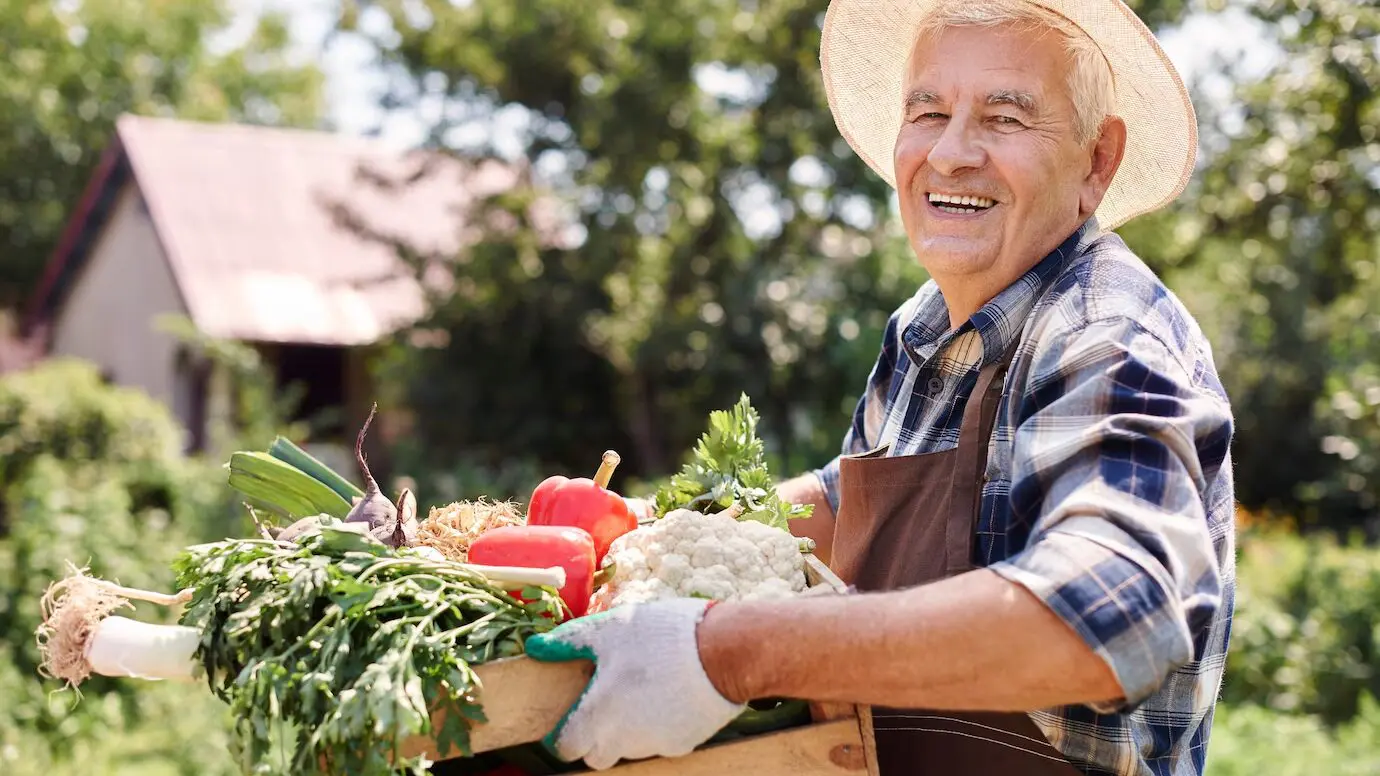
x=1091 y=87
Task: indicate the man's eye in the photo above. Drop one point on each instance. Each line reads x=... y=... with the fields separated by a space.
x=1010 y=121
x=930 y=116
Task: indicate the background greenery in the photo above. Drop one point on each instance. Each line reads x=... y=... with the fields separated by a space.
x=725 y=241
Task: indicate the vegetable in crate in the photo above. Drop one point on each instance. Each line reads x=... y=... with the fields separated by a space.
x=288 y=482
x=394 y=525
x=451 y=529
x=584 y=503
x=691 y=554
x=338 y=642
x=721 y=532
x=277 y=487
x=81 y=634
x=284 y=450
x=729 y=468
x=543 y=546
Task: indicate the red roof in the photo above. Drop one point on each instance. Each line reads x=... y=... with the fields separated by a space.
x=245 y=217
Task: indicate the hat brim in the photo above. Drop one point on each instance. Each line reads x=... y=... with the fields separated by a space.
x=866 y=44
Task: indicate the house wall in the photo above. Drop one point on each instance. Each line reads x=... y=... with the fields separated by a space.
x=110 y=315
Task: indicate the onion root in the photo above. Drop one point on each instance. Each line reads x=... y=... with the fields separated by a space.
x=76 y=628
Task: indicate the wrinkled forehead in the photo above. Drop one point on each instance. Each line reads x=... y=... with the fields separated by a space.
x=1016 y=58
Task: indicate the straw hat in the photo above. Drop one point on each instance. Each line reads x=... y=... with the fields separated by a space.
x=863 y=55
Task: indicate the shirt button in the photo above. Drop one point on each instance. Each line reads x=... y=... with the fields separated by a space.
x=935 y=385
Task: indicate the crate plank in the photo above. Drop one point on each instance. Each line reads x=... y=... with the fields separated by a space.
x=824 y=749
x=820 y=576
x=523 y=700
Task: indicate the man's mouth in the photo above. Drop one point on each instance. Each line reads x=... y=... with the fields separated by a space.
x=959 y=204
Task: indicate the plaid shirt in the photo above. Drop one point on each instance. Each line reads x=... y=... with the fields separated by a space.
x=1109 y=491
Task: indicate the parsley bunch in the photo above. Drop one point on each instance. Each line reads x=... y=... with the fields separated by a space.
x=729 y=466
x=332 y=652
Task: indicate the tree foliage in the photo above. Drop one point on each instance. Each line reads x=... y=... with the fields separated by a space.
x=727 y=240
x=70 y=69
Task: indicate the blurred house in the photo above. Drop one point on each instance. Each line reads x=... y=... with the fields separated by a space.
x=253 y=234
x=17 y=351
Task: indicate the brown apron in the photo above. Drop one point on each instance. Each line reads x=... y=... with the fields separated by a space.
x=907 y=520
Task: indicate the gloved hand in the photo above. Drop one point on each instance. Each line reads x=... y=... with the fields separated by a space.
x=649 y=696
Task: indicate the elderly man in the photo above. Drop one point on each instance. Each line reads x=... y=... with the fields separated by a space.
x=1034 y=500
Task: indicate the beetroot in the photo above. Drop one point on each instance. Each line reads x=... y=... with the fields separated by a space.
x=394 y=525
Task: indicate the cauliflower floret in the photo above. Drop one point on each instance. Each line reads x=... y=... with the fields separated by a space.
x=649 y=590
x=770 y=589
x=688 y=553
x=638 y=564
x=706 y=551
x=672 y=569
x=781 y=551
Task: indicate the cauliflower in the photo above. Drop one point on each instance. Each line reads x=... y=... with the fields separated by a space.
x=688 y=553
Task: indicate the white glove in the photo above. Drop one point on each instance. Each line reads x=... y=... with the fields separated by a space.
x=649 y=696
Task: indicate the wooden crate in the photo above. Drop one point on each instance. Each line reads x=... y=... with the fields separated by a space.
x=524 y=700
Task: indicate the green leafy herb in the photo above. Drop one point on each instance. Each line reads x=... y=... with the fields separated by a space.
x=343 y=648
x=729 y=467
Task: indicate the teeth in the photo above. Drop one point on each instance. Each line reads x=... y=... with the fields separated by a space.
x=951 y=199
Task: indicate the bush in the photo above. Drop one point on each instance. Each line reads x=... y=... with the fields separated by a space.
x=181 y=730
x=80 y=514
x=1251 y=740
x=93 y=475
x=62 y=408
x=1304 y=638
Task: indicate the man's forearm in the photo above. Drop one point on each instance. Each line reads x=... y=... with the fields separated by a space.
x=972 y=642
x=807 y=489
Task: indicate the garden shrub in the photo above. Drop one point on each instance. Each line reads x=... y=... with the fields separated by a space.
x=1305 y=635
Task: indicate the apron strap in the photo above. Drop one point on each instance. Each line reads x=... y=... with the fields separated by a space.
x=979 y=415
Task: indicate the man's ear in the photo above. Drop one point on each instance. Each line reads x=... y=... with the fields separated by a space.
x=1106 y=152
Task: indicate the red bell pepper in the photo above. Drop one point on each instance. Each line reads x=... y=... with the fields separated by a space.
x=543 y=546
x=584 y=503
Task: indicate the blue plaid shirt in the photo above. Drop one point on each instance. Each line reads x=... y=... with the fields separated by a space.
x=1109 y=491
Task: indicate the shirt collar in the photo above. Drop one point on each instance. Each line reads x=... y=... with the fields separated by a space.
x=998 y=322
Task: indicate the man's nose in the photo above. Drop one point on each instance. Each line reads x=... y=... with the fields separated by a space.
x=956 y=149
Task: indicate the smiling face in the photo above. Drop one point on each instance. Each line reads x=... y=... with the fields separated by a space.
x=990 y=172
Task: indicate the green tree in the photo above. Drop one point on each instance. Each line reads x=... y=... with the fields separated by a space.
x=70 y=69
x=725 y=238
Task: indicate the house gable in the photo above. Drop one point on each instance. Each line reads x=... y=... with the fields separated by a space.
x=115 y=296
x=249 y=232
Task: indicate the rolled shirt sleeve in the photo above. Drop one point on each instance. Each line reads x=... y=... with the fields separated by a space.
x=1114 y=446
x=828 y=475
